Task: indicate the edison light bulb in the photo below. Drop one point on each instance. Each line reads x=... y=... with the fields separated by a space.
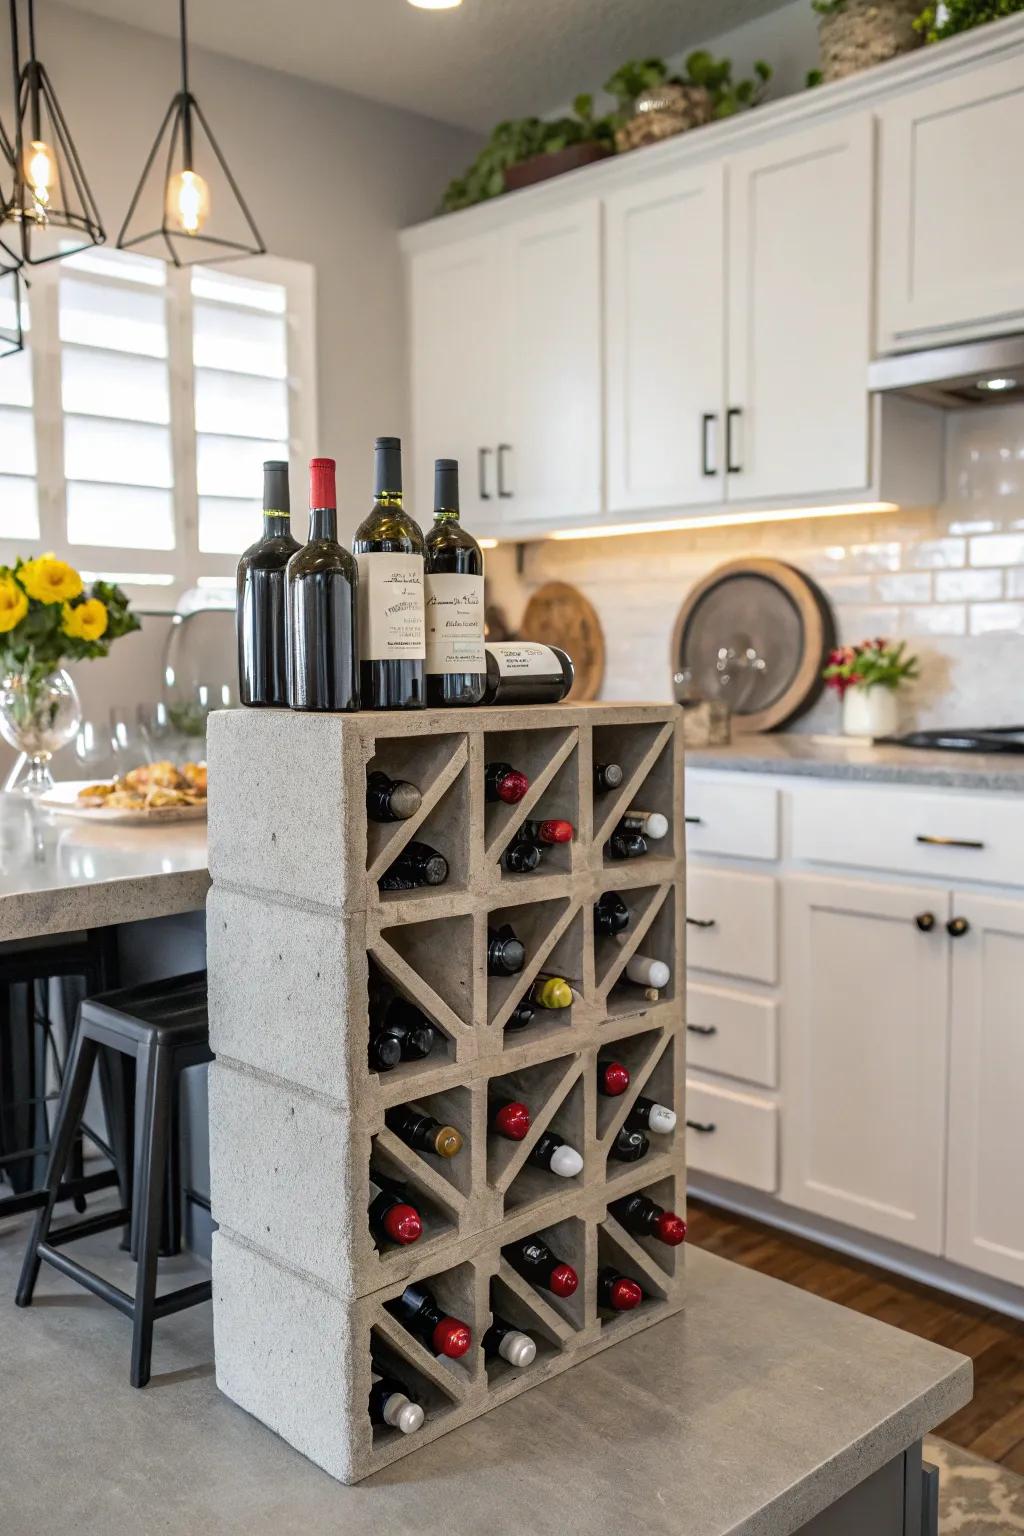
x=40 y=173
x=188 y=202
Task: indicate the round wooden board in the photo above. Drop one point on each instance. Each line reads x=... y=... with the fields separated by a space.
x=558 y=614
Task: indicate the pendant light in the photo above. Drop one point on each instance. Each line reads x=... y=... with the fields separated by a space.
x=173 y=211
x=12 y=337
x=50 y=211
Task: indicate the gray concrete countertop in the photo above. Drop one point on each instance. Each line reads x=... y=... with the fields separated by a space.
x=59 y=875
x=838 y=757
x=746 y=1415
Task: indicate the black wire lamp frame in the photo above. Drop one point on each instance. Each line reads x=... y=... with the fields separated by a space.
x=178 y=121
x=12 y=338
x=33 y=91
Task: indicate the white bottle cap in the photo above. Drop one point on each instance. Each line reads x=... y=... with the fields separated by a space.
x=647 y=972
x=518 y=1349
x=566 y=1162
x=656 y=825
x=403 y=1415
x=661 y=1119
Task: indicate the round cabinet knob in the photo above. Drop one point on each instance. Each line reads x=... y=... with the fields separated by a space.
x=957 y=927
x=925 y=921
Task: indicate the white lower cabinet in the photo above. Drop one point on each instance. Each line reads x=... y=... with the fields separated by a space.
x=732 y=1135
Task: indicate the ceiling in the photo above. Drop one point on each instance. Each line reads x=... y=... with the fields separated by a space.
x=473 y=66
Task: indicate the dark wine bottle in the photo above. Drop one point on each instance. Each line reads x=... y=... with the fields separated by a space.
x=653 y=824
x=645 y=1218
x=391 y=1404
x=417 y=1310
x=611 y=915
x=323 y=649
x=615 y=1292
x=509 y=1118
x=527 y=672
x=625 y=845
x=505 y=954
x=507 y=1341
x=612 y=1077
x=390 y=799
x=453 y=592
x=416 y=865
x=388 y=547
x=630 y=1145
x=555 y=1155
x=547 y=832
x=551 y=992
x=392 y=1218
x=532 y=1258
x=520 y=857
x=521 y=1016
x=647 y=1115
x=607 y=776
x=505 y=783
x=385 y=1051
x=261 y=617
x=422 y=1132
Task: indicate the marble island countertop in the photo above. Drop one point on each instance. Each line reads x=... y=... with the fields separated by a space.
x=841 y=757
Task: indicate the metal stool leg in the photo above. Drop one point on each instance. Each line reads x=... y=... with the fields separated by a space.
x=156 y=1073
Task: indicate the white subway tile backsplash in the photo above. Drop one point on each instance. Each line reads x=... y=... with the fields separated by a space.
x=975 y=525
x=866 y=623
x=934 y=619
x=968 y=586
x=998 y=549
x=908 y=587
x=873 y=557
x=936 y=554
x=997 y=618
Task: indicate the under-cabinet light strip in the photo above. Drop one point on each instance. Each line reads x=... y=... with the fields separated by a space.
x=711 y=520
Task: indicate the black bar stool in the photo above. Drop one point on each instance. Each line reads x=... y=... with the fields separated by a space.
x=164 y=1026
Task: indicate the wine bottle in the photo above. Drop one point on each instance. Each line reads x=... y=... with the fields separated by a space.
x=392 y=1218
x=417 y=865
x=615 y=1292
x=625 y=845
x=555 y=1155
x=630 y=1145
x=414 y=1029
x=520 y=858
x=390 y=799
x=552 y=992
x=391 y=1404
x=611 y=915
x=547 y=832
x=509 y=1118
x=321 y=584
x=526 y=672
x=646 y=1115
x=505 y=783
x=422 y=1132
x=385 y=1051
x=612 y=1077
x=456 y=667
x=417 y=1310
x=388 y=547
x=505 y=954
x=521 y=1016
x=505 y=1340
x=652 y=824
x=607 y=776
x=261 y=618
x=645 y=972
x=532 y=1258
x=645 y=1218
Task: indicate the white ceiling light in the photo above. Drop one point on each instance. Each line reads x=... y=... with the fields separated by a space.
x=997 y=385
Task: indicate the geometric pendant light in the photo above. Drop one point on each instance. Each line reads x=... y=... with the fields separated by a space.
x=48 y=211
x=187 y=207
x=12 y=337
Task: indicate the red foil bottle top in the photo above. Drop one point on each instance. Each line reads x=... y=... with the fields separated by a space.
x=513 y=1121
x=670 y=1228
x=451 y=1338
x=614 y=1078
x=512 y=786
x=322 y=491
x=563 y=1280
x=626 y=1294
x=402 y=1224
x=555 y=832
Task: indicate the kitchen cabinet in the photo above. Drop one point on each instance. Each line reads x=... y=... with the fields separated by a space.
x=951 y=222
x=986 y=1127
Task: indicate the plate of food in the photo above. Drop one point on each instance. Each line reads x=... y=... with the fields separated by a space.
x=155 y=792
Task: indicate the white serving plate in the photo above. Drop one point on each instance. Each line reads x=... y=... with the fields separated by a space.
x=62 y=800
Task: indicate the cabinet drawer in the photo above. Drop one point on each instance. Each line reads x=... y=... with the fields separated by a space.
x=953 y=836
x=732 y=1135
x=740 y=820
x=731 y=923
x=732 y=1033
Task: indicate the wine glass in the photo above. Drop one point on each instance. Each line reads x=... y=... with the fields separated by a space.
x=95 y=751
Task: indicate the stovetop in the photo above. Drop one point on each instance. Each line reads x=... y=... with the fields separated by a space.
x=987 y=738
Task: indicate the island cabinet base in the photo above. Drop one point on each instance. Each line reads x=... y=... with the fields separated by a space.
x=299 y=932
x=900 y=1499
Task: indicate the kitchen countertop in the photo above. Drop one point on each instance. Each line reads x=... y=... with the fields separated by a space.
x=839 y=757
x=59 y=875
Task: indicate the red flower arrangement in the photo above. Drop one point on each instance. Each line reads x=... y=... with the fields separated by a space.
x=870 y=664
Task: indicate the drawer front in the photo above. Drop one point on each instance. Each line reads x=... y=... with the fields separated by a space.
x=732 y=1135
x=736 y=819
x=732 y=1033
x=956 y=836
x=732 y=923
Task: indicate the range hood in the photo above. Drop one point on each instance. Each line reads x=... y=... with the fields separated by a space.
x=971 y=373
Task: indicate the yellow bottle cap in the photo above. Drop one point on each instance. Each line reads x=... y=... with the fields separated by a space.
x=447 y=1141
x=553 y=993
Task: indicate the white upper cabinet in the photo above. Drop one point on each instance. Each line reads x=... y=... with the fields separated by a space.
x=952 y=214
x=799 y=313
x=665 y=339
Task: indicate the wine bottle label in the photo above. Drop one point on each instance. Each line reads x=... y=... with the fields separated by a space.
x=524 y=658
x=391 y=607
x=455 y=623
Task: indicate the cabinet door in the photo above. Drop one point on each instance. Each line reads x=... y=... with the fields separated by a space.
x=549 y=457
x=665 y=340
x=865 y=1055
x=951 y=218
x=457 y=339
x=800 y=274
x=985 y=1222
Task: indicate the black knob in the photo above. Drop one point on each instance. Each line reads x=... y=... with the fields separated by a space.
x=957 y=927
x=925 y=921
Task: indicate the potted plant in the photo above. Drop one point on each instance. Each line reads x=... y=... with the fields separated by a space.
x=47 y=618
x=949 y=17
x=653 y=105
x=527 y=149
x=866 y=677
x=857 y=34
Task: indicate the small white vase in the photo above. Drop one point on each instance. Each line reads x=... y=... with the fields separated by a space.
x=870 y=711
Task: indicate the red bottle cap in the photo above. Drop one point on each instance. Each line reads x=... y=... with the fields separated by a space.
x=626 y=1294
x=402 y=1224
x=555 y=832
x=451 y=1338
x=512 y=786
x=670 y=1228
x=614 y=1078
x=563 y=1280
x=322 y=492
x=513 y=1121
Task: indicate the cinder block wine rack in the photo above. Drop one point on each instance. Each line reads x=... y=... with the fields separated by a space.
x=296 y=923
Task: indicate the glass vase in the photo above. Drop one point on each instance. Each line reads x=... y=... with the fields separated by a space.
x=39 y=713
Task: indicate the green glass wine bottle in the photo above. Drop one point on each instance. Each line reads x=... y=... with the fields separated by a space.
x=388 y=547
x=454 y=598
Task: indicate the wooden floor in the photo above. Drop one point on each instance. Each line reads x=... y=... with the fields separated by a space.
x=992 y=1424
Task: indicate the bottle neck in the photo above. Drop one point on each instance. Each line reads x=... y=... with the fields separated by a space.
x=276 y=525
x=323 y=523
x=446 y=515
x=389 y=500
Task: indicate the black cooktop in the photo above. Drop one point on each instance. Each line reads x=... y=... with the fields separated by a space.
x=984 y=738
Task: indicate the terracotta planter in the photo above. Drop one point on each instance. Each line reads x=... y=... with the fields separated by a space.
x=541 y=167
x=863 y=33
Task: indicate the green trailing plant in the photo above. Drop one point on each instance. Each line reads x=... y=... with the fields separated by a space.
x=520 y=139
x=827 y=7
x=941 y=21
x=702 y=69
x=631 y=78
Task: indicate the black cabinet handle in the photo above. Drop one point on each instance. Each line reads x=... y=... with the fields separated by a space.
x=949 y=842
x=481 y=470
x=957 y=927
x=694 y=821
x=503 y=448
x=705 y=422
x=925 y=921
x=705 y=1129
x=701 y=922
x=732 y=416
x=703 y=1029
